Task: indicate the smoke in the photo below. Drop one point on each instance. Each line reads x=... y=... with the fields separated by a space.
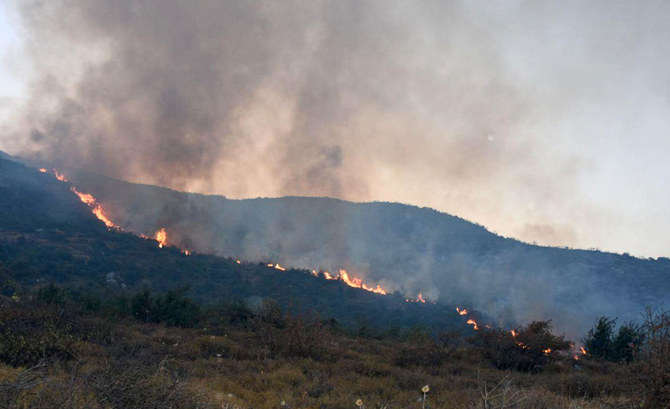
x=513 y=114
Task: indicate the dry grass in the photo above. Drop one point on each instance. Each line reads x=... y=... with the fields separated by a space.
x=152 y=366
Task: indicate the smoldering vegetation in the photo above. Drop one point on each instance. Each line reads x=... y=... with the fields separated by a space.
x=402 y=248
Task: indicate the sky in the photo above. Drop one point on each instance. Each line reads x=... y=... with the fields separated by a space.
x=547 y=121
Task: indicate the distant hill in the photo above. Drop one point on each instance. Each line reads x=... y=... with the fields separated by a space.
x=47 y=235
x=401 y=247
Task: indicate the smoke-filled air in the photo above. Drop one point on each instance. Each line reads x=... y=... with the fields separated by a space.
x=371 y=204
x=543 y=121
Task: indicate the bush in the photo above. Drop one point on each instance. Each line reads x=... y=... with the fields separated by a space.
x=528 y=350
x=28 y=336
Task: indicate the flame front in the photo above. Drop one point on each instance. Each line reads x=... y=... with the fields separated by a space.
x=161 y=237
x=463 y=311
x=473 y=323
x=352 y=281
x=96 y=207
x=277 y=266
x=60 y=176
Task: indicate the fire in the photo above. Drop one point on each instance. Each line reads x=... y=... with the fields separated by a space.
x=352 y=281
x=547 y=351
x=277 y=266
x=59 y=176
x=473 y=323
x=582 y=350
x=96 y=208
x=186 y=252
x=238 y=261
x=97 y=211
x=85 y=197
x=463 y=311
x=514 y=333
x=161 y=237
x=43 y=170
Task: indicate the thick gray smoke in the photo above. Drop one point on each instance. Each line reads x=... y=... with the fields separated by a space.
x=514 y=114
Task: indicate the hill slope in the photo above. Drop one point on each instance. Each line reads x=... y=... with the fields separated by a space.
x=404 y=248
x=47 y=235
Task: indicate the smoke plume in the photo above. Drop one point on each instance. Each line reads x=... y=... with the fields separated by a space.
x=514 y=114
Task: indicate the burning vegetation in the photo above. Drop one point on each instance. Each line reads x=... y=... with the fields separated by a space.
x=516 y=335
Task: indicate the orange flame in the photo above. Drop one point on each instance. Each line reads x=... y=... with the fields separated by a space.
x=43 y=170
x=358 y=283
x=583 y=350
x=547 y=351
x=352 y=281
x=514 y=333
x=161 y=237
x=59 y=176
x=473 y=323
x=238 y=261
x=463 y=311
x=96 y=208
x=277 y=266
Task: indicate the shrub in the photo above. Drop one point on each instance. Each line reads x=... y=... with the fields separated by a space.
x=528 y=350
x=28 y=336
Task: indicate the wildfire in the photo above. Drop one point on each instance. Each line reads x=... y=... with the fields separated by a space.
x=161 y=238
x=419 y=298
x=43 y=170
x=514 y=333
x=277 y=266
x=463 y=311
x=352 y=281
x=473 y=323
x=238 y=261
x=59 y=176
x=96 y=208
x=583 y=350
x=547 y=351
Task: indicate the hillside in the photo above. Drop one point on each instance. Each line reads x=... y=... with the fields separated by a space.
x=405 y=248
x=47 y=235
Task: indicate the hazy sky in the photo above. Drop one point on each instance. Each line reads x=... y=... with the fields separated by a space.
x=545 y=121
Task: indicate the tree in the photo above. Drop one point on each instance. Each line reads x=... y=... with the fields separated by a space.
x=598 y=341
x=602 y=343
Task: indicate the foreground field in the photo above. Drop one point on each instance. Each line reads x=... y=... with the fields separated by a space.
x=57 y=354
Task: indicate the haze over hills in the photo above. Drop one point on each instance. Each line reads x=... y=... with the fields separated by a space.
x=405 y=248
x=49 y=236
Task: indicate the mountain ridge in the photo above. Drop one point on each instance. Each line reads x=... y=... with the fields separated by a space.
x=401 y=247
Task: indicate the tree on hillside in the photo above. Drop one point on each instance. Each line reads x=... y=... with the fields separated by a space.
x=601 y=341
